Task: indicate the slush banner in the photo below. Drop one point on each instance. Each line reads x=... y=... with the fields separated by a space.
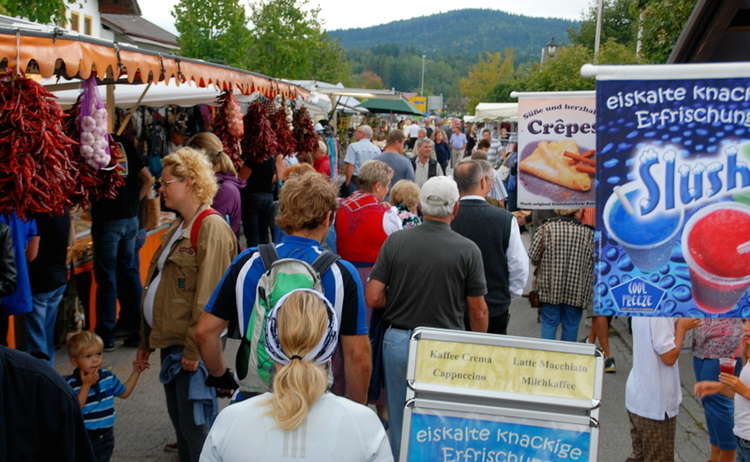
x=673 y=195
x=436 y=437
x=556 y=142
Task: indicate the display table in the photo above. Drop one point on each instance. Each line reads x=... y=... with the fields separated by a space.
x=81 y=259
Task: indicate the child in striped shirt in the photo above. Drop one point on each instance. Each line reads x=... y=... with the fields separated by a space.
x=96 y=388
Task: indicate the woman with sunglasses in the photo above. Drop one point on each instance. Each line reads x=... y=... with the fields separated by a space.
x=192 y=258
x=299 y=420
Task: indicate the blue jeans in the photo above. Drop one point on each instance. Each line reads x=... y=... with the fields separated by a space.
x=718 y=409
x=117 y=276
x=37 y=328
x=743 y=450
x=395 y=359
x=554 y=315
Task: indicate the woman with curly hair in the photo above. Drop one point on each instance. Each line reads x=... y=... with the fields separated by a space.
x=194 y=253
x=300 y=419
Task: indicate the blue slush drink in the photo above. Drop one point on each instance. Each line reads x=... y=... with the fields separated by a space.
x=647 y=240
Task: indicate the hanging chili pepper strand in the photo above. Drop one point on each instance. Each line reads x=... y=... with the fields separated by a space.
x=304 y=131
x=36 y=172
x=229 y=126
x=259 y=141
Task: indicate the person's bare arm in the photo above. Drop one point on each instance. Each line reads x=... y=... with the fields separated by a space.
x=478 y=313
x=208 y=336
x=357 y=366
x=348 y=171
x=375 y=293
x=147 y=182
x=132 y=381
x=683 y=326
x=32 y=249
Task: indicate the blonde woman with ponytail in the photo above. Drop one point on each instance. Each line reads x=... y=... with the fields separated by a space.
x=227 y=200
x=300 y=419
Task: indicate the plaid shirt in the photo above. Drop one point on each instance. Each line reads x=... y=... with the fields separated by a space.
x=563 y=251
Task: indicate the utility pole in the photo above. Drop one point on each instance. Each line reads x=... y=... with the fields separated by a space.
x=598 y=38
x=421 y=86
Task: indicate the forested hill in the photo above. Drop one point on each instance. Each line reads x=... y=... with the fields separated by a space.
x=466 y=31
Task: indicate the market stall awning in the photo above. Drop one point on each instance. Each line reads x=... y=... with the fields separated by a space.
x=55 y=52
x=393 y=106
x=494 y=111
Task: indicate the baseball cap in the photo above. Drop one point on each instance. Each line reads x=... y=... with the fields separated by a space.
x=439 y=190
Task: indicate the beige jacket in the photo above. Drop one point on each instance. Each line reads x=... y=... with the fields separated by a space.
x=188 y=279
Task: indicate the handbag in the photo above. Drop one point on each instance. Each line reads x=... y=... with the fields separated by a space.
x=534 y=300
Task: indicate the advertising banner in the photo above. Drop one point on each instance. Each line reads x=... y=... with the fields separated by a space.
x=439 y=435
x=557 y=149
x=673 y=192
x=506 y=369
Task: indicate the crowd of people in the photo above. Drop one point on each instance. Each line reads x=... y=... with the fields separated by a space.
x=333 y=279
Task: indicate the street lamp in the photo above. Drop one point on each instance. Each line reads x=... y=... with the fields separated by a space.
x=421 y=86
x=549 y=49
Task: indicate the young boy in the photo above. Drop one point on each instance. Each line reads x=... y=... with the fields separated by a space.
x=96 y=389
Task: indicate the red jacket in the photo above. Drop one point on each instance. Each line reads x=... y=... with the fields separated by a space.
x=359 y=228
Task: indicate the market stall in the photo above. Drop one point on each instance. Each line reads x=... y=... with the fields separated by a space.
x=75 y=159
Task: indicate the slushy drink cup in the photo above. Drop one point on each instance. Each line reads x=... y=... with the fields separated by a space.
x=727 y=365
x=720 y=274
x=647 y=240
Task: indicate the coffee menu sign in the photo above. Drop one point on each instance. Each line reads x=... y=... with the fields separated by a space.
x=673 y=191
x=506 y=369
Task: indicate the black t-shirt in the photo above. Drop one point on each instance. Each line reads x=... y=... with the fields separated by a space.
x=127 y=202
x=41 y=416
x=48 y=271
x=261 y=177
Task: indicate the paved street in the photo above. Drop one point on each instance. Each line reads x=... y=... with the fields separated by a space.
x=143 y=426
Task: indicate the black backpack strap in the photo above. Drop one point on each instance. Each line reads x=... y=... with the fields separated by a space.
x=324 y=261
x=268 y=255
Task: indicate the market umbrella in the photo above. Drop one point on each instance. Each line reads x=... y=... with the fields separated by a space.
x=395 y=106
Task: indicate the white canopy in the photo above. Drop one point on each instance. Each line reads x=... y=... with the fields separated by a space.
x=493 y=111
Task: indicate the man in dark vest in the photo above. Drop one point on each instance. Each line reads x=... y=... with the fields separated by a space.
x=425 y=165
x=496 y=233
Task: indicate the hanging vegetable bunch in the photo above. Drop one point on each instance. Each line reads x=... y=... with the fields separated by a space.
x=90 y=184
x=284 y=137
x=304 y=131
x=36 y=175
x=259 y=142
x=93 y=124
x=229 y=126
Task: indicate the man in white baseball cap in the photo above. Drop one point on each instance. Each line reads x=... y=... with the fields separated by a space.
x=435 y=277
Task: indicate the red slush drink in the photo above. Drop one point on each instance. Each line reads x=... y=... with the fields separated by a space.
x=727 y=365
x=720 y=273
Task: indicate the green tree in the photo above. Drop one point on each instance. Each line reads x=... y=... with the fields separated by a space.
x=663 y=21
x=289 y=41
x=485 y=75
x=619 y=23
x=43 y=11
x=214 y=30
x=563 y=71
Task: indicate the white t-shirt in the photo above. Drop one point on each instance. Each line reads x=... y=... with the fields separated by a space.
x=653 y=388
x=414 y=130
x=742 y=408
x=335 y=429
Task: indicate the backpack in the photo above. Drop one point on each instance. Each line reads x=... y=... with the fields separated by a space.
x=253 y=364
x=195 y=229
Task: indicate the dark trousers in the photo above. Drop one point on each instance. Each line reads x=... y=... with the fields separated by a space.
x=117 y=277
x=4 y=326
x=257 y=217
x=499 y=324
x=190 y=437
x=103 y=443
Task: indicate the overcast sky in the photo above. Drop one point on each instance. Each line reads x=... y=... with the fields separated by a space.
x=343 y=14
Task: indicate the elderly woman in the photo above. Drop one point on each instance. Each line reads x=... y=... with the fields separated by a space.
x=227 y=199
x=405 y=197
x=299 y=417
x=195 y=252
x=425 y=166
x=363 y=221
